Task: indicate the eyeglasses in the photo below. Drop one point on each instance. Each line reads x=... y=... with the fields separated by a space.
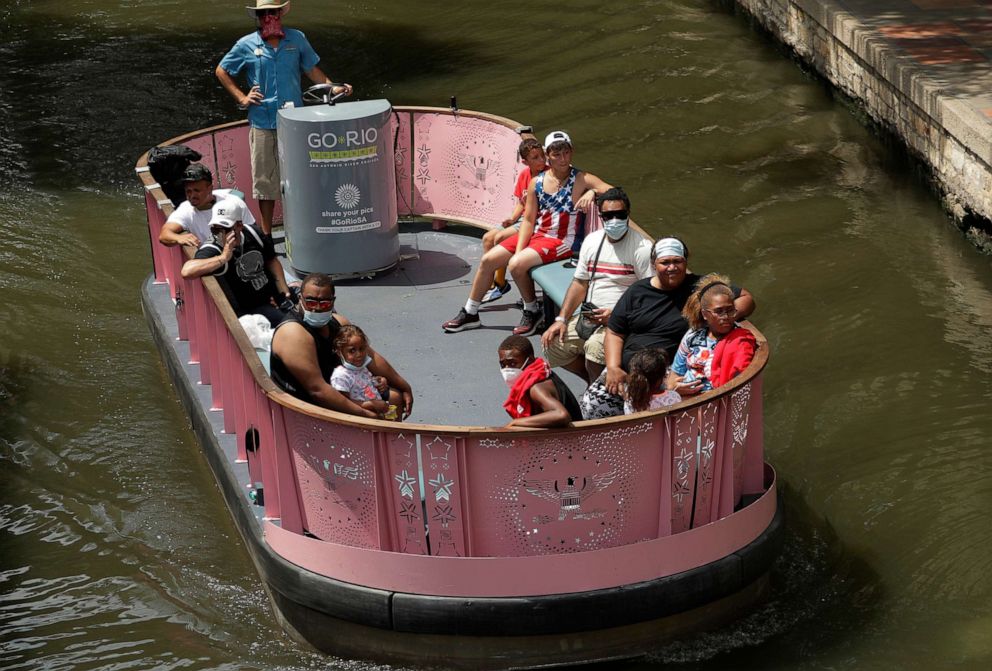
x=722 y=312
x=321 y=304
x=613 y=214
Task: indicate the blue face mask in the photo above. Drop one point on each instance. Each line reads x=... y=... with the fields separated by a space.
x=615 y=228
x=317 y=319
x=352 y=367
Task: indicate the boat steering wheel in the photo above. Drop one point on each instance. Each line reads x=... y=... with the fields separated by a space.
x=322 y=94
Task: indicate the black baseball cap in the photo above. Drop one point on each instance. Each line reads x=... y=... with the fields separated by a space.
x=197 y=172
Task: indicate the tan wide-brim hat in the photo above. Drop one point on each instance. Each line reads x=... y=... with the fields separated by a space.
x=268 y=4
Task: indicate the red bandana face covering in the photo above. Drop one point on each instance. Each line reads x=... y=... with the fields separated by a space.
x=271 y=27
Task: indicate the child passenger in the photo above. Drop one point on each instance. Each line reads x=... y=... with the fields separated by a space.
x=532 y=156
x=646 y=382
x=354 y=378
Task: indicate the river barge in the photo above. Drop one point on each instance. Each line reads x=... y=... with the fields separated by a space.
x=443 y=541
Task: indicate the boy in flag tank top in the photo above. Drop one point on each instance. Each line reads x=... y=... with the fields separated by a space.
x=556 y=201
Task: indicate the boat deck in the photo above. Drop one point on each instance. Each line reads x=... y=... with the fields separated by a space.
x=455 y=376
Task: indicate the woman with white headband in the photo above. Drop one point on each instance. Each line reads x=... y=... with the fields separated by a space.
x=649 y=314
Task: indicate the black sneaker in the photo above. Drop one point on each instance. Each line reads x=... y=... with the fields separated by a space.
x=462 y=322
x=530 y=321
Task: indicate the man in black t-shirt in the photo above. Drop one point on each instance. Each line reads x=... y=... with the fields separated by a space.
x=244 y=261
x=649 y=314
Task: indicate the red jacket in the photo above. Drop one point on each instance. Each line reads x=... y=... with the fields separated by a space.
x=732 y=355
x=518 y=402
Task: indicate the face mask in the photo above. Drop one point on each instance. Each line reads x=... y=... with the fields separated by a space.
x=271 y=27
x=615 y=228
x=353 y=367
x=510 y=375
x=317 y=319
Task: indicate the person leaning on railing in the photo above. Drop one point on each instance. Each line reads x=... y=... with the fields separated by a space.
x=715 y=349
x=244 y=262
x=649 y=314
x=304 y=355
x=189 y=223
x=538 y=398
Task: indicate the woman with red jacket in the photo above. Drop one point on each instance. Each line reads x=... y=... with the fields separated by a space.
x=715 y=349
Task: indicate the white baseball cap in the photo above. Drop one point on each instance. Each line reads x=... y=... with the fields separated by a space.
x=556 y=136
x=227 y=212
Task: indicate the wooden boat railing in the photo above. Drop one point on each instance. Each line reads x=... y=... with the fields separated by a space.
x=606 y=503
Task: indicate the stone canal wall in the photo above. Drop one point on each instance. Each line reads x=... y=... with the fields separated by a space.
x=916 y=75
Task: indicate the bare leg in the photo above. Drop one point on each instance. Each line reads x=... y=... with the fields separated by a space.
x=520 y=264
x=489 y=239
x=488 y=242
x=495 y=258
x=578 y=366
x=396 y=399
x=498 y=238
x=492 y=238
x=593 y=369
x=266 y=208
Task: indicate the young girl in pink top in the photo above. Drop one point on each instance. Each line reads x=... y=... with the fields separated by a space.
x=646 y=382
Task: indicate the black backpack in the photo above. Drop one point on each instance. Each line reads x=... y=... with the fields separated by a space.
x=167 y=165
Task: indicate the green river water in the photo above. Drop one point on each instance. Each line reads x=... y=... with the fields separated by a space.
x=116 y=551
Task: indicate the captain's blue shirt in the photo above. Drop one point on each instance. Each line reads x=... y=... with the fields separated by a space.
x=276 y=71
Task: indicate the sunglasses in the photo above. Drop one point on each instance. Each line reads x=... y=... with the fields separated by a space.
x=614 y=214
x=321 y=304
x=266 y=12
x=722 y=312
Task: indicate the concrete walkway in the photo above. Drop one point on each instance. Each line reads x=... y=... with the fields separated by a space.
x=921 y=68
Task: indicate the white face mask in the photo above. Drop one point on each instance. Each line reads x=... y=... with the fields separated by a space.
x=353 y=367
x=317 y=319
x=615 y=228
x=510 y=375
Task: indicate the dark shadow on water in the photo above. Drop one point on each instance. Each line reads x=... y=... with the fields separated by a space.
x=15 y=374
x=822 y=597
x=891 y=153
x=79 y=104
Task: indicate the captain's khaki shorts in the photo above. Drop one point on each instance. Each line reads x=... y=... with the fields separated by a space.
x=264 y=164
x=559 y=354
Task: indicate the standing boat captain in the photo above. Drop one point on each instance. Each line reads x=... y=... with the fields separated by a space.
x=272 y=58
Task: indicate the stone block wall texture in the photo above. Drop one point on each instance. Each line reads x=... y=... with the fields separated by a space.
x=948 y=132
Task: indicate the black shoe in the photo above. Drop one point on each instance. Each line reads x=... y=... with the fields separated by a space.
x=462 y=322
x=530 y=321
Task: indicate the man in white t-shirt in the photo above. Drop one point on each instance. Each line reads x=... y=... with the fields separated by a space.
x=611 y=259
x=189 y=223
